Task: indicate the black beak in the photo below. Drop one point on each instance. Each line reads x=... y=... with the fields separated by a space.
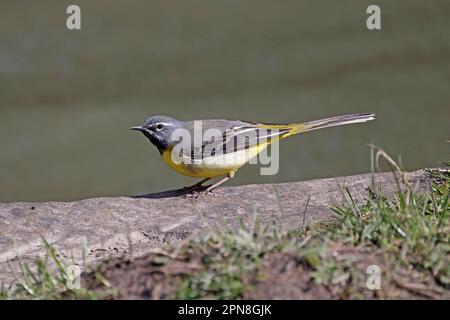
x=139 y=128
x=149 y=134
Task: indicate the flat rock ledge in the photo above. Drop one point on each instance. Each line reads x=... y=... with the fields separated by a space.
x=107 y=227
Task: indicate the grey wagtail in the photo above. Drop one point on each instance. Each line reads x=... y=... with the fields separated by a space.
x=160 y=131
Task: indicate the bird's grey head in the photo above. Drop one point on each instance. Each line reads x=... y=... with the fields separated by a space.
x=159 y=129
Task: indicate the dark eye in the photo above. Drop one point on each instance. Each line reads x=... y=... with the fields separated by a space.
x=159 y=126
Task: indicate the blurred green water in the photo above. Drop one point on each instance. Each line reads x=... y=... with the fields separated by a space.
x=67 y=98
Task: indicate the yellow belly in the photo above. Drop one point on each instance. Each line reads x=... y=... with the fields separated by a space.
x=213 y=166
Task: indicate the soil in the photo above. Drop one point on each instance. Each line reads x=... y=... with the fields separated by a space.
x=279 y=276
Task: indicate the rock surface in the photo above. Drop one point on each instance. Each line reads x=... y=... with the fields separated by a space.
x=114 y=226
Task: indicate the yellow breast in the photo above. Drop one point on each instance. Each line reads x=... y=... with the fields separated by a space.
x=212 y=166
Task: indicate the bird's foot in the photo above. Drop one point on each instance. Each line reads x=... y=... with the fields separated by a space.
x=192 y=189
x=195 y=194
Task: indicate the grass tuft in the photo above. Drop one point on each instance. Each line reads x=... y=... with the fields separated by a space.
x=48 y=278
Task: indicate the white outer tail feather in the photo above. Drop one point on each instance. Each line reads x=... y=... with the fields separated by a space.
x=337 y=121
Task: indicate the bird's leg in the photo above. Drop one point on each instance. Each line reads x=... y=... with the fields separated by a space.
x=210 y=188
x=196 y=185
x=218 y=183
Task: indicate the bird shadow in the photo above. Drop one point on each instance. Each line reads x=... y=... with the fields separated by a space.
x=171 y=193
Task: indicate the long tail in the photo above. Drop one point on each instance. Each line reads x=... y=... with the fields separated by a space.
x=329 y=122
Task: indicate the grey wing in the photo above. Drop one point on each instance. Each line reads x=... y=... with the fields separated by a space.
x=211 y=138
x=242 y=136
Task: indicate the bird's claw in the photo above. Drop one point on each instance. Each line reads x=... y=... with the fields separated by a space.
x=196 y=194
